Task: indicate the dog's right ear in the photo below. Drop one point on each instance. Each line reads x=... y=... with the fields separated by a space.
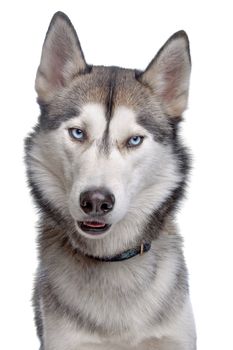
x=62 y=58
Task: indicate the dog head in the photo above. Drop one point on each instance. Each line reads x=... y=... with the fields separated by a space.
x=105 y=152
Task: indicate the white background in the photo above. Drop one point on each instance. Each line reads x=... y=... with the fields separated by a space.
x=126 y=33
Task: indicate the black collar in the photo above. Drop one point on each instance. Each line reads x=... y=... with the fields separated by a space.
x=128 y=254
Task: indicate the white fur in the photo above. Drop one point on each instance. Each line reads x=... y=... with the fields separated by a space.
x=101 y=306
x=84 y=304
x=139 y=178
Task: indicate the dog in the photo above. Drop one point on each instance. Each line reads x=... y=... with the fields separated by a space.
x=107 y=170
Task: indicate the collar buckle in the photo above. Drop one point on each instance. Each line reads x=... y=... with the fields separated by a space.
x=142 y=249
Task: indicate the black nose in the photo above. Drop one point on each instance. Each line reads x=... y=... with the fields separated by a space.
x=97 y=202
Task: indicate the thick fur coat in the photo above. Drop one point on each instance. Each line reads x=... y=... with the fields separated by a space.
x=107 y=170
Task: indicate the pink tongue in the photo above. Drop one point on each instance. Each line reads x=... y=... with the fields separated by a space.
x=93 y=224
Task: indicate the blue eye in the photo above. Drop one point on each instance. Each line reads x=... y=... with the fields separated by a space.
x=135 y=141
x=76 y=134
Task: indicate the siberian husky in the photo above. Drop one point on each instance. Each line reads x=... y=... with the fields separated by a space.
x=107 y=170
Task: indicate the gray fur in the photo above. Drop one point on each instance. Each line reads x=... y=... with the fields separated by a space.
x=80 y=303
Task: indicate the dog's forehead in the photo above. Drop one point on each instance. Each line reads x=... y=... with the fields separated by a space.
x=110 y=87
x=112 y=103
x=94 y=116
x=112 y=99
x=123 y=122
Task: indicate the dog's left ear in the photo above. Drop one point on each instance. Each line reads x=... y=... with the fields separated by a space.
x=168 y=74
x=62 y=58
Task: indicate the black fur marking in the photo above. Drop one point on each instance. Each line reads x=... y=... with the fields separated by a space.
x=157 y=220
x=110 y=97
x=51 y=122
x=28 y=141
x=45 y=207
x=161 y=133
x=171 y=204
x=109 y=107
x=37 y=313
x=180 y=151
x=104 y=145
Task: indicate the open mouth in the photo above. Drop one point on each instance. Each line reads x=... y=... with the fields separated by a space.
x=93 y=227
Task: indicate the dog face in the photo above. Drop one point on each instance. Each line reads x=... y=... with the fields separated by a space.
x=104 y=151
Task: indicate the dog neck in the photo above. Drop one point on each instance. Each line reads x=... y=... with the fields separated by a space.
x=128 y=254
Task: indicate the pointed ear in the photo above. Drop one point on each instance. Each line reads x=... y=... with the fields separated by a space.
x=62 y=58
x=168 y=74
